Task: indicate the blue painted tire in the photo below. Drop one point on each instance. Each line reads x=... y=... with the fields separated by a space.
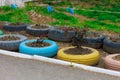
x=48 y=51
x=111 y=47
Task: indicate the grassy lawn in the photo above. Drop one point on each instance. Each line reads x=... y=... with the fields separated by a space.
x=97 y=25
x=21 y=15
x=100 y=20
x=11 y=15
x=96 y=15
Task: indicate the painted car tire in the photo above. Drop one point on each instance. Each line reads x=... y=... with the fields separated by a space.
x=111 y=47
x=12 y=45
x=110 y=63
x=36 y=32
x=88 y=59
x=15 y=28
x=59 y=35
x=94 y=42
x=49 y=51
x=1 y=32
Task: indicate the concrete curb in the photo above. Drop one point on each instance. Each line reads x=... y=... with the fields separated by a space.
x=60 y=62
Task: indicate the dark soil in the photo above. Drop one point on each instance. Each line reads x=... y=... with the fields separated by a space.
x=38 y=26
x=92 y=35
x=9 y=38
x=15 y=24
x=117 y=58
x=37 y=44
x=65 y=28
x=115 y=39
x=78 y=51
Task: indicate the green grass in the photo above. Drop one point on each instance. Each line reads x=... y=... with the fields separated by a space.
x=96 y=15
x=99 y=15
x=5 y=8
x=20 y=15
x=97 y=25
x=115 y=8
x=61 y=19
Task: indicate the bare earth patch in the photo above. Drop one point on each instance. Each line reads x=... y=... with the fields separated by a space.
x=36 y=18
x=84 y=4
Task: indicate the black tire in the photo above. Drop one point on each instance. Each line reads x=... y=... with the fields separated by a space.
x=59 y=35
x=37 y=32
x=111 y=47
x=96 y=42
x=15 y=28
x=12 y=45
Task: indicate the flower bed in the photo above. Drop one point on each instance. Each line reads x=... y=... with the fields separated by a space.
x=62 y=45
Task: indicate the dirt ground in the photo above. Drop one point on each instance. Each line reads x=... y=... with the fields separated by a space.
x=37 y=18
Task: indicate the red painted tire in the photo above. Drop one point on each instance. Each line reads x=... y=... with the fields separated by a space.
x=110 y=63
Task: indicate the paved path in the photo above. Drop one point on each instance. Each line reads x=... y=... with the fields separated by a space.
x=12 y=68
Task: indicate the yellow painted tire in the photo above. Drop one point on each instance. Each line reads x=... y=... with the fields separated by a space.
x=87 y=59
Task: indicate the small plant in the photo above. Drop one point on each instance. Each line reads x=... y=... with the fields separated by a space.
x=40 y=39
x=66 y=30
x=78 y=39
x=39 y=42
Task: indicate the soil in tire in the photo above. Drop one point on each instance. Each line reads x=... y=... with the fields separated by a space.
x=38 y=26
x=37 y=44
x=117 y=58
x=16 y=24
x=9 y=38
x=78 y=51
x=92 y=35
x=115 y=39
